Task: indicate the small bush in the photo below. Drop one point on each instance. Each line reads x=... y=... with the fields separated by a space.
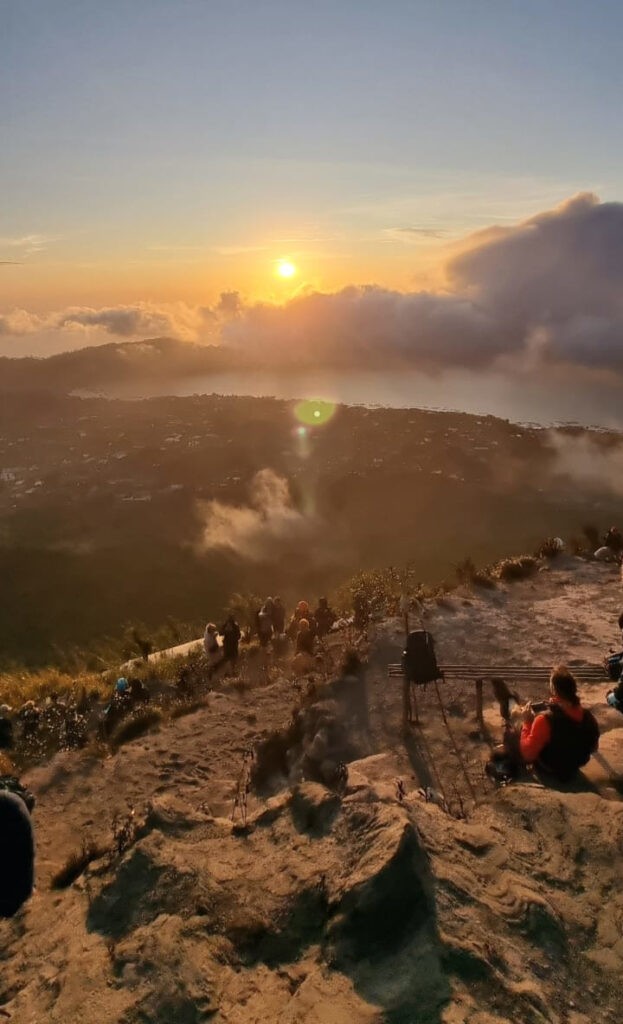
x=517 y=568
x=136 y=725
x=550 y=548
x=76 y=864
x=468 y=572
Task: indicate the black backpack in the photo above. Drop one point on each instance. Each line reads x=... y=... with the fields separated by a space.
x=9 y=784
x=419 y=661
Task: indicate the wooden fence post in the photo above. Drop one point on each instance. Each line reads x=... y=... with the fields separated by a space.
x=479 y=710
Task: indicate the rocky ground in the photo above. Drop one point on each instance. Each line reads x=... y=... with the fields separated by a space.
x=364 y=903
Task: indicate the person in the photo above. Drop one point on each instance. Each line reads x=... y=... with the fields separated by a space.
x=278 y=617
x=211 y=646
x=300 y=612
x=265 y=623
x=6 y=727
x=304 y=638
x=361 y=609
x=17 y=849
x=613 y=539
x=324 y=616
x=561 y=738
x=230 y=631
x=120 y=705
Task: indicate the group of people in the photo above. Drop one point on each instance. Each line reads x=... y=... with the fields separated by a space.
x=305 y=627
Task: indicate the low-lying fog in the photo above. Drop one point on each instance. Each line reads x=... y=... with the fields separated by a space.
x=554 y=398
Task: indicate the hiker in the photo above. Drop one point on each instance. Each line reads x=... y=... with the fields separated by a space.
x=264 y=623
x=184 y=684
x=230 y=631
x=305 y=639
x=324 y=617
x=6 y=727
x=561 y=738
x=139 y=694
x=29 y=715
x=278 y=616
x=17 y=849
x=120 y=705
x=614 y=540
x=300 y=612
x=211 y=646
x=361 y=609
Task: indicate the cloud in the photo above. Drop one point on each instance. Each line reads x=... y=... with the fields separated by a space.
x=257 y=530
x=413 y=234
x=178 y=320
x=28 y=244
x=545 y=292
x=590 y=461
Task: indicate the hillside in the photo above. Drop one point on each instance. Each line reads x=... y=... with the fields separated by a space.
x=350 y=908
x=160 y=510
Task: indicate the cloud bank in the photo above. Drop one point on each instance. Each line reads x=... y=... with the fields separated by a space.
x=547 y=291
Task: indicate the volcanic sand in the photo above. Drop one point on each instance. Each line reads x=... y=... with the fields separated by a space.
x=338 y=910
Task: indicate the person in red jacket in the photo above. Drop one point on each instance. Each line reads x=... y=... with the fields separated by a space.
x=560 y=738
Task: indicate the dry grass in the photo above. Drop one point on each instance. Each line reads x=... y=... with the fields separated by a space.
x=135 y=726
x=520 y=568
x=18 y=687
x=77 y=863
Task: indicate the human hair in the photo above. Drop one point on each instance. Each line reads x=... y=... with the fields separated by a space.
x=563 y=684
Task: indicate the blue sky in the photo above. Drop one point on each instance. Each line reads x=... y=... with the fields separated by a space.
x=170 y=148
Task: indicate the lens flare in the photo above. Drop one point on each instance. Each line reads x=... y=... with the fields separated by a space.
x=314 y=412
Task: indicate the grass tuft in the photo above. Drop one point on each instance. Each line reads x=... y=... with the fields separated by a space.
x=77 y=863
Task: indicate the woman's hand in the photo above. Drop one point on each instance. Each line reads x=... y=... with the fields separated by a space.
x=527 y=714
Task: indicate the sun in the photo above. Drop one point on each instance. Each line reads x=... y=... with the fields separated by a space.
x=285 y=268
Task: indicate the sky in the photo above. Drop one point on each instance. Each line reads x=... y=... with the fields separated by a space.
x=157 y=153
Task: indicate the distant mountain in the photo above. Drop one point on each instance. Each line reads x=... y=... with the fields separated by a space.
x=92 y=368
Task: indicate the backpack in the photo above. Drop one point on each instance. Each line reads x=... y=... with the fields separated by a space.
x=419 y=661
x=614 y=664
x=9 y=784
x=571 y=743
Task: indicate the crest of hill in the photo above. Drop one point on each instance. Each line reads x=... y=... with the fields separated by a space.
x=98 y=365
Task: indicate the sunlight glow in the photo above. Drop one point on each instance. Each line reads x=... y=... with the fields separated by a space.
x=285 y=268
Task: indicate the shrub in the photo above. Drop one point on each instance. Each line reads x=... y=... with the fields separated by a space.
x=549 y=548
x=516 y=568
x=76 y=864
x=136 y=725
x=468 y=572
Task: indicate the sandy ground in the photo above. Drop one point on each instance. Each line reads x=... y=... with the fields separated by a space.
x=334 y=909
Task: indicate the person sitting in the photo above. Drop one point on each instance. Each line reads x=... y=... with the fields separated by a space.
x=561 y=738
x=17 y=849
x=139 y=693
x=324 y=616
x=613 y=539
